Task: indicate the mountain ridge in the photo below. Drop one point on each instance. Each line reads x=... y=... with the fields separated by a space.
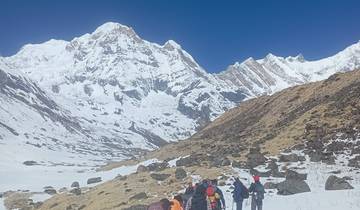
x=131 y=93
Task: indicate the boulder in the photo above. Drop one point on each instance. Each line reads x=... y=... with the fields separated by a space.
x=75 y=185
x=274 y=169
x=270 y=185
x=94 y=180
x=139 y=196
x=219 y=162
x=180 y=173
x=255 y=172
x=160 y=177
x=121 y=177
x=325 y=157
x=255 y=158
x=30 y=163
x=158 y=166
x=292 y=186
x=189 y=161
x=354 y=162
x=291 y=158
x=238 y=164
x=336 y=183
x=328 y=158
x=141 y=169
x=290 y=174
x=50 y=190
x=76 y=191
x=315 y=156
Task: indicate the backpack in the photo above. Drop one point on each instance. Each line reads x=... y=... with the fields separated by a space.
x=244 y=192
x=213 y=197
x=259 y=191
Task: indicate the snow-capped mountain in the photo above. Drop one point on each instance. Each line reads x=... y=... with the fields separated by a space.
x=272 y=73
x=124 y=92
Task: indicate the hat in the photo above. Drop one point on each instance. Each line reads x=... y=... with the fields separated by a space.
x=256 y=178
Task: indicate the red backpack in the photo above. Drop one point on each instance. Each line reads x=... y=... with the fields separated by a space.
x=213 y=197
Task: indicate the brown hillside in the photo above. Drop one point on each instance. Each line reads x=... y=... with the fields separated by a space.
x=303 y=113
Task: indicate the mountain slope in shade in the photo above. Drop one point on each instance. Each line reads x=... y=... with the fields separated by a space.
x=126 y=92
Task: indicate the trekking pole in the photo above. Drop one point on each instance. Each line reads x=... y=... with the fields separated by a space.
x=233 y=204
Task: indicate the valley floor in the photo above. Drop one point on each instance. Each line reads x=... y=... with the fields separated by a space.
x=34 y=178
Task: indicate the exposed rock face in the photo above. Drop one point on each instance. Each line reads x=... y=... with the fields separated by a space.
x=94 y=180
x=336 y=183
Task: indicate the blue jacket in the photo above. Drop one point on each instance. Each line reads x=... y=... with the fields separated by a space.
x=237 y=193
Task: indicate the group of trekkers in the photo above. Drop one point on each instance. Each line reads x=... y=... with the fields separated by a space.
x=208 y=196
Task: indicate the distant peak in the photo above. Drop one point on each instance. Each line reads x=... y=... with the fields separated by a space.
x=249 y=60
x=299 y=58
x=270 y=56
x=236 y=64
x=111 y=27
x=171 y=45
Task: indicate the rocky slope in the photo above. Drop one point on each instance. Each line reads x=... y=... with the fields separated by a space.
x=307 y=116
x=303 y=141
x=131 y=93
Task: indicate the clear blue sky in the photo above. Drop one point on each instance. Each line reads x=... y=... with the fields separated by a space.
x=216 y=33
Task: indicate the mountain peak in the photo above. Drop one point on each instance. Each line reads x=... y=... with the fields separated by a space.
x=112 y=27
x=171 y=44
x=271 y=56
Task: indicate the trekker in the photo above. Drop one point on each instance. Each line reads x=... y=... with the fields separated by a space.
x=177 y=203
x=240 y=193
x=257 y=192
x=190 y=189
x=199 y=201
x=163 y=204
x=221 y=201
